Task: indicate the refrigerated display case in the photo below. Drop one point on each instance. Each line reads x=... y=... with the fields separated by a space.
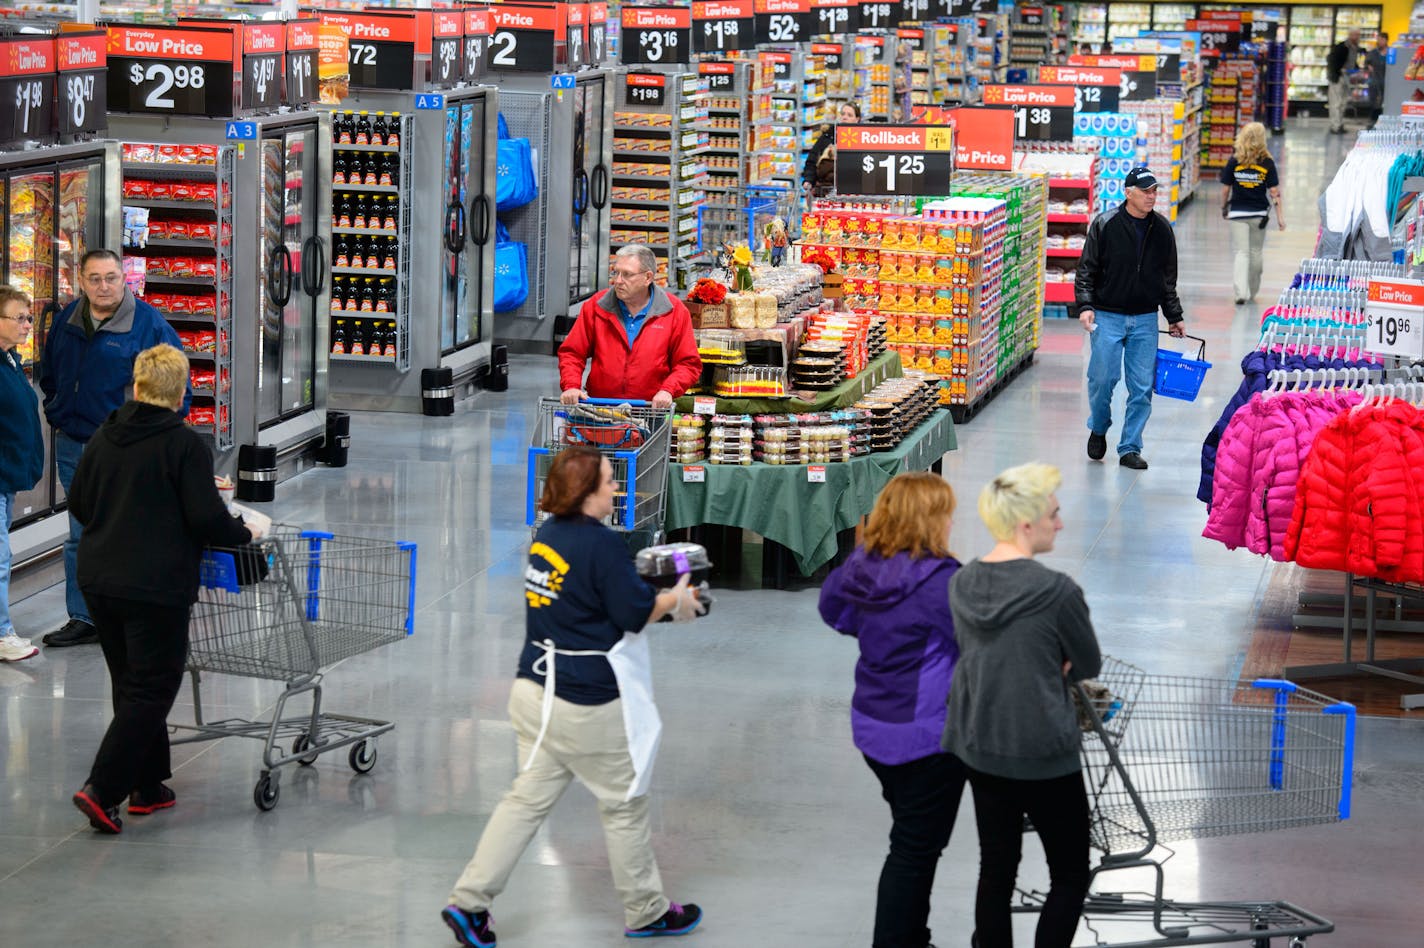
x=56 y=204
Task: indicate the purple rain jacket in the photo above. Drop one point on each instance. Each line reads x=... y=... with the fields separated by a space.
x=898 y=610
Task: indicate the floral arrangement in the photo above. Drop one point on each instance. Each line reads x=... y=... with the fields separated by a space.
x=707 y=291
x=821 y=259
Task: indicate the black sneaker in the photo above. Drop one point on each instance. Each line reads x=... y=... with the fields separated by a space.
x=102 y=818
x=677 y=920
x=1133 y=460
x=73 y=632
x=143 y=803
x=472 y=929
x=1097 y=445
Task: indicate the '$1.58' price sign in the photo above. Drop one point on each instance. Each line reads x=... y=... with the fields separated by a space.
x=1395 y=311
x=894 y=159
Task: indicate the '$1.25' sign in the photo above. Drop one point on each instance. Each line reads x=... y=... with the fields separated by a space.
x=894 y=159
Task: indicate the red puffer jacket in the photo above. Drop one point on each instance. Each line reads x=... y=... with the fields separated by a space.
x=663 y=357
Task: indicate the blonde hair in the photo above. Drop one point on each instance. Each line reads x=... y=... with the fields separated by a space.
x=1018 y=495
x=160 y=376
x=911 y=515
x=1251 y=143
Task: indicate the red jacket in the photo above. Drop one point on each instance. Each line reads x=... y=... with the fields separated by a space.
x=663 y=357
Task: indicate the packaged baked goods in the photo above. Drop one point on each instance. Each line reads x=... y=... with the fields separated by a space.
x=742 y=310
x=766 y=310
x=664 y=565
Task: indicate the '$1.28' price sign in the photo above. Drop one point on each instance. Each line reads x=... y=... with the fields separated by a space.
x=894 y=159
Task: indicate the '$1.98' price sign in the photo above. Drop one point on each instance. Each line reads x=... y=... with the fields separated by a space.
x=1395 y=313
x=894 y=159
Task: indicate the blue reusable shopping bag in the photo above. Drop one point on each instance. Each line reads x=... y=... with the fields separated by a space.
x=511 y=271
x=515 y=183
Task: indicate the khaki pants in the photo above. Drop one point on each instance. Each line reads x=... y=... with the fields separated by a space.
x=1337 y=98
x=1248 y=240
x=583 y=741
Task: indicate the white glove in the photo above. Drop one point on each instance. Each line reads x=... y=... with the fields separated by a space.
x=688 y=606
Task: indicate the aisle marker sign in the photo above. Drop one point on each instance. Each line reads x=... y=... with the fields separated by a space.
x=721 y=26
x=27 y=68
x=300 y=70
x=83 y=82
x=1394 y=310
x=656 y=36
x=782 y=21
x=1097 y=87
x=167 y=71
x=894 y=159
x=1041 y=113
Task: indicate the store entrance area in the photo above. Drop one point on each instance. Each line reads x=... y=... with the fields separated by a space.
x=763 y=812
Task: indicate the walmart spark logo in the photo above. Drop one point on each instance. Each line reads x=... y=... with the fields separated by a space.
x=542 y=586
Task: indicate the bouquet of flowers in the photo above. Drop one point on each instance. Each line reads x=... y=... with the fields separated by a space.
x=707 y=291
x=821 y=259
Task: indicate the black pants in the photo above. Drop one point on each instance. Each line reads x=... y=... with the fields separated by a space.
x=924 y=800
x=145 y=646
x=1059 y=811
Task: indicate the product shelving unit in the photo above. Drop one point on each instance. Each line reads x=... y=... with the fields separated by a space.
x=1232 y=90
x=1172 y=16
x=730 y=107
x=875 y=68
x=662 y=150
x=1311 y=34
x=919 y=40
x=1128 y=19
x=1065 y=224
x=1030 y=44
x=1091 y=24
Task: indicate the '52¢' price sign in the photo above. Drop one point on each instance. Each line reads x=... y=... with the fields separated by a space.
x=894 y=159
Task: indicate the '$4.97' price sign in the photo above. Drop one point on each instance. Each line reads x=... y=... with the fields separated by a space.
x=894 y=159
x=1395 y=311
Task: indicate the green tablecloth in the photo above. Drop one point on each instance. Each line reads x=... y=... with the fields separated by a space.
x=778 y=502
x=847 y=393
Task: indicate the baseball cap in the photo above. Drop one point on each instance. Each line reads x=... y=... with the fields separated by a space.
x=1140 y=178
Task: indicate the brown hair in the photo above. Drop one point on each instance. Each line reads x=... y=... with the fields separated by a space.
x=575 y=473
x=910 y=516
x=8 y=295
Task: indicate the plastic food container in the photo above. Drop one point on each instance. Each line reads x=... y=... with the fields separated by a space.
x=663 y=565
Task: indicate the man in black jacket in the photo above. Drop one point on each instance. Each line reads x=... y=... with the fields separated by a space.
x=1128 y=270
x=1343 y=59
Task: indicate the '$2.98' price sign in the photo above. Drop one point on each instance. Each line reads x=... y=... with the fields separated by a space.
x=1395 y=313
x=894 y=159
x=171 y=71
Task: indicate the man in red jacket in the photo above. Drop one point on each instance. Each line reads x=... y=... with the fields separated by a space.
x=638 y=335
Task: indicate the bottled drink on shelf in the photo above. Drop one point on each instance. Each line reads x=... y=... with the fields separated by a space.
x=338 y=294
x=356 y=342
x=338 y=168
x=370 y=169
x=389 y=169
x=341 y=128
x=343 y=254
x=350 y=304
x=363 y=129
x=393 y=130
x=388 y=217
x=372 y=260
x=378 y=129
x=389 y=349
x=368 y=296
x=338 y=338
x=385 y=296
x=388 y=258
x=344 y=211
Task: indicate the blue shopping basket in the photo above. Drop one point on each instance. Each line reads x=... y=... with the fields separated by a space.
x=1177 y=376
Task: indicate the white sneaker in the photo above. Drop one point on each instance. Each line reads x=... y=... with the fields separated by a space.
x=15 y=649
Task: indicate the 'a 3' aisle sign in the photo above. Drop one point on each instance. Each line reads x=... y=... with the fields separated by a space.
x=894 y=159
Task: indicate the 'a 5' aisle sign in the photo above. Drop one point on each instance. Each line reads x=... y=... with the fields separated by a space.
x=1041 y=113
x=894 y=159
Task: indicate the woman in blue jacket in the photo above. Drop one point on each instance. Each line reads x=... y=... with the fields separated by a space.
x=892 y=595
x=21 y=449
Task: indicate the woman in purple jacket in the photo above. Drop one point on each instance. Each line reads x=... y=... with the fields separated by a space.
x=893 y=596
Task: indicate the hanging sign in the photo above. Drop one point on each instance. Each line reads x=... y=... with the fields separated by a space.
x=973 y=7
x=263 y=47
x=1394 y=310
x=169 y=71
x=911 y=37
x=879 y=14
x=645 y=90
x=382 y=47
x=780 y=63
x=477 y=31
x=575 y=31
x=894 y=159
x=597 y=33
x=782 y=21
x=1097 y=88
x=1138 y=80
x=524 y=37
x=983 y=137
x=721 y=75
x=721 y=26
x=1218 y=37
x=303 y=41
x=447 y=47
x=829 y=17
x=914 y=11
x=833 y=55
x=27 y=76
x=656 y=35
x=1169 y=67
x=83 y=82
x=1041 y=113
x=1031 y=16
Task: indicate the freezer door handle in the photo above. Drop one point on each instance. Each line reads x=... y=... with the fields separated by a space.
x=279 y=275
x=580 y=191
x=455 y=227
x=600 y=185
x=314 y=266
x=482 y=219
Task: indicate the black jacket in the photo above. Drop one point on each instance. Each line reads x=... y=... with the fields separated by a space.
x=1113 y=276
x=809 y=171
x=145 y=496
x=1341 y=58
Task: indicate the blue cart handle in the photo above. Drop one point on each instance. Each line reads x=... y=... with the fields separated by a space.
x=630 y=402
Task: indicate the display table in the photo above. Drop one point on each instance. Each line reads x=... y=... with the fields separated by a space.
x=843 y=395
x=779 y=503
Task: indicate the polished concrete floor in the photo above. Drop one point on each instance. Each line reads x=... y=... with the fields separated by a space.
x=763 y=811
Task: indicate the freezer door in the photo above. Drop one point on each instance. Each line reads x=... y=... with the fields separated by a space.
x=467 y=224
x=597 y=146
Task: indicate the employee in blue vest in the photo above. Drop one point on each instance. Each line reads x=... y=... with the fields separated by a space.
x=86 y=372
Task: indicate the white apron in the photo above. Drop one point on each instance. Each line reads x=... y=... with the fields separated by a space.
x=633 y=671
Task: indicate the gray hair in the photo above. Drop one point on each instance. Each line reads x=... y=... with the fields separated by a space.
x=645 y=257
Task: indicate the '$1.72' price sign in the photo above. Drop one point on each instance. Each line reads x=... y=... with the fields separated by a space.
x=1395 y=311
x=894 y=159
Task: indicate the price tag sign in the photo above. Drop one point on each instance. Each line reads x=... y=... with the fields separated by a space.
x=782 y=21
x=263 y=46
x=1096 y=88
x=721 y=76
x=704 y=406
x=879 y=14
x=524 y=36
x=983 y=137
x=656 y=35
x=829 y=17
x=1395 y=313
x=83 y=82
x=914 y=11
x=447 y=47
x=913 y=160
x=1412 y=109
x=1041 y=113
x=1031 y=16
x=597 y=33
x=694 y=474
x=1218 y=37
x=816 y=474
x=645 y=90
x=170 y=71
x=912 y=37
x=833 y=55
x=973 y=7
x=300 y=76
x=477 y=31
x=381 y=48
x=780 y=63
x=27 y=68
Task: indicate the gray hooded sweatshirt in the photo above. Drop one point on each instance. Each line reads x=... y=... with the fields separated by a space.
x=1010 y=708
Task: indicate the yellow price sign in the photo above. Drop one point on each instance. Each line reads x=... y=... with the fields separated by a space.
x=939 y=139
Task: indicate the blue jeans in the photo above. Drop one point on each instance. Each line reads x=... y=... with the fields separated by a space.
x=7 y=514
x=1122 y=342
x=66 y=458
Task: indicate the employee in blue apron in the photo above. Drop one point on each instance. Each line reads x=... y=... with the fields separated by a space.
x=581 y=705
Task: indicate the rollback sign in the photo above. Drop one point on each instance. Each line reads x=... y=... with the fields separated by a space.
x=27 y=68
x=656 y=36
x=170 y=71
x=913 y=160
x=83 y=106
x=782 y=21
x=1138 y=81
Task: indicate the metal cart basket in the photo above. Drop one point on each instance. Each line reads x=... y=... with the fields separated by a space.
x=282 y=609
x=1171 y=758
x=634 y=436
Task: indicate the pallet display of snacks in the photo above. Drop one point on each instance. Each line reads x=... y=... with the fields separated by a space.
x=370 y=223
x=660 y=147
x=177 y=211
x=1230 y=103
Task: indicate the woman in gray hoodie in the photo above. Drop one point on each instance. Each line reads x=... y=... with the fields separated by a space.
x=1024 y=636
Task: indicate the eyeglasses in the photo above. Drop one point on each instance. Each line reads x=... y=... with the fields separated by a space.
x=104 y=279
x=616 y=275
x=26 y=318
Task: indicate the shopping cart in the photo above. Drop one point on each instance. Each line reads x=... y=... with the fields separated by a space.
x=283 y=609
x=1188 y=758
x=739 y=215
x=636 y=439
